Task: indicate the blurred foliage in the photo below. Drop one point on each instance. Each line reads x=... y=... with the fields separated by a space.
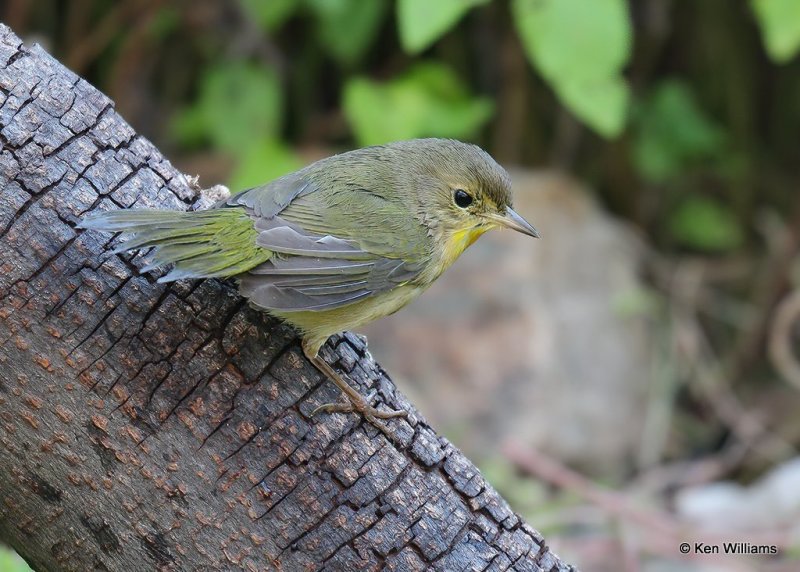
x=428 y=100
x=636 y=301
x=780 y=25
x=346 y=28
x=252 y=102
x=263 y=161
x=705 y=224
x=271 y=15
x=248 y=129
x=10 y=562
x=672 y=134
x=422 y=22
x=580 y=48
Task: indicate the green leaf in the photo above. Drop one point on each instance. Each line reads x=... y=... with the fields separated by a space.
x=602 y=103
x=366 y=104
x=427 y=101
x=263 y=161
x=780 y=26
x=580 y=48
x=348 y=27
x=239 y=103
x=705 y=224
x=672 y=133
x=422 y=22
x=271 y=14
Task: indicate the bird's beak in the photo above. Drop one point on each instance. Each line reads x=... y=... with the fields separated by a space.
x=513 y=221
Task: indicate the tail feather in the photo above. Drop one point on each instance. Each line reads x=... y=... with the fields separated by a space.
x=144 y=237
x=204 y=244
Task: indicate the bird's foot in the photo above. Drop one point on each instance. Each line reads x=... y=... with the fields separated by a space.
x=359 y=404
x=356 y=403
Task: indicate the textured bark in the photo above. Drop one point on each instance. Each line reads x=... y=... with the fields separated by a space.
x=145 y=426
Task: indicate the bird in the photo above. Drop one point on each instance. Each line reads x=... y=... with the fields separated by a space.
x=337 y=244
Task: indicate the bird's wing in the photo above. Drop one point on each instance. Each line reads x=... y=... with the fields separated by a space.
x=328 y=253
x=266 y=201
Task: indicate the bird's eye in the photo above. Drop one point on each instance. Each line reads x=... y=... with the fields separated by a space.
x=462 y=198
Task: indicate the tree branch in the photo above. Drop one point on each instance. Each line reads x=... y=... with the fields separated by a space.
x=145 y=426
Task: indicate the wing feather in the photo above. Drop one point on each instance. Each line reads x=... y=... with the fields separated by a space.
x=322 y=287
x=305 y=265
x=321 y=259
x=286 y=240
x=273 y=297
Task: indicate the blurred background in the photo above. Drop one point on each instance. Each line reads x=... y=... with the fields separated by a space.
x=630 y=381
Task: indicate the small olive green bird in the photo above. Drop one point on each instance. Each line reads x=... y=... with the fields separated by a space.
x=339 y=243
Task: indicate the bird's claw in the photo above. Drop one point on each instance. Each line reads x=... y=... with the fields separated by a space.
x=362 y=407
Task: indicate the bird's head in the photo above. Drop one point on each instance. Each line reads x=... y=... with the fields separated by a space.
x=461 y=193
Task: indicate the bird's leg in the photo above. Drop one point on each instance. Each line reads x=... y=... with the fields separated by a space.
x=357 y=402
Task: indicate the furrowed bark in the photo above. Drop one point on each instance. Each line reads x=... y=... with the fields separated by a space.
x=154 y=427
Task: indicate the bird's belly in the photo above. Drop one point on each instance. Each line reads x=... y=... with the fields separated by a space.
x=319 y=326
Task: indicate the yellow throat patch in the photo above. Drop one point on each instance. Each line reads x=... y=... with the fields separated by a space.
x=459 y=241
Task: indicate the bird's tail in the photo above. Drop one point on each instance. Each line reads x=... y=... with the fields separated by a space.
x=202 y=244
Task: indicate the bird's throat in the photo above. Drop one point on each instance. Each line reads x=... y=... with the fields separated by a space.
x=459 y=241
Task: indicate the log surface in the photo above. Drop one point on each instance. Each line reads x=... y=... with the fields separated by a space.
x=167 y=427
